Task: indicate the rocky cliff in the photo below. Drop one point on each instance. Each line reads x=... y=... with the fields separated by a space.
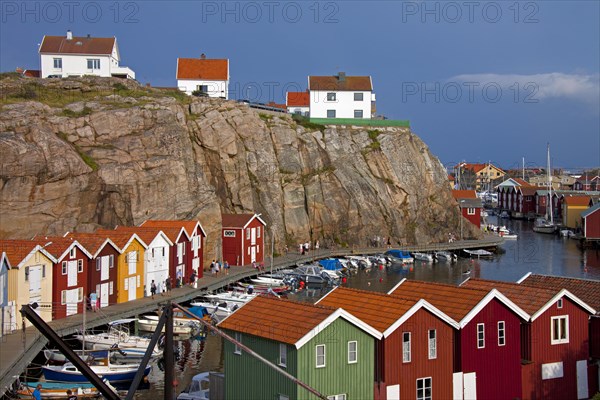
x=81 y=153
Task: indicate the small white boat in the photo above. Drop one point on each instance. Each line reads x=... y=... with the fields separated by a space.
x=445 y=256
x=504 y=214
x=233 y=296
x=218 y=310
x=113 y=373
x=183 y=324
x=478 y=253
x=423 y=257
x=262 y=280
x=117 y=336
x=567 y=233
x=199 y=388
x=509 y=236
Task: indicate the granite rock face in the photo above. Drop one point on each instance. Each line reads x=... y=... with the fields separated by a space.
x=78 y=154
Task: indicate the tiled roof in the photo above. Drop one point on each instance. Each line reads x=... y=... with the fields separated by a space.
x=530 y=299
x=333 y=83
x=277 y=319
x=203 y=69
x=57 y=246
x=529 y=190
x=93 y=242
x=464 y=194
x=32 y=73
x=522 y=182
x=120 y=239
x=147 y=234
x=376 y=309
x=586 y=289
x=451 y=178
x=591 y=210
x=16 y=250
x=454 y=301
x=276 y=105
x=577 y=200
x=188 y=225
x=77 y=45
x=297 y=99
x=235 y=220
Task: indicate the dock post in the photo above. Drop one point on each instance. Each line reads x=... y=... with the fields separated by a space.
x=168 y=354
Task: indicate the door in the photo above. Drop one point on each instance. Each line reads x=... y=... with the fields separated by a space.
x=393 y=392
x=470 y=386
x=35 y=286
x=252 y=254
x=104 y=295
x=72 y=273
x=132 y=288
x=71 y=300
x=104 y=267
x=582 y=379
x=253 y=236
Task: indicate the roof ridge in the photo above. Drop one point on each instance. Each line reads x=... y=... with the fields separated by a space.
x=297 y=302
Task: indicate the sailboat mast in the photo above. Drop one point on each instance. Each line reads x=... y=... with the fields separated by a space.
x=550 y=188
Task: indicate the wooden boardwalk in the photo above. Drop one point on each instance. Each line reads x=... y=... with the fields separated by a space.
x=17 y=350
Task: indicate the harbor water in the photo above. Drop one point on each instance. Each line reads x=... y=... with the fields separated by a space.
x=531 y=252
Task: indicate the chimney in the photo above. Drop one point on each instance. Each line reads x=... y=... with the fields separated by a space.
x=69 y=35
x=89 y=36
x=342 y=76
x=203 y=56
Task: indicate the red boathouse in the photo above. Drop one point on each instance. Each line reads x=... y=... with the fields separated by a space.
x=243 y=238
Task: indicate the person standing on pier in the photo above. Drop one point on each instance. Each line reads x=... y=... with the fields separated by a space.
x=37 y=393
x=226 y=267
x=93 y=301
x=193 y=279
x=153 y=288
x=168 y=285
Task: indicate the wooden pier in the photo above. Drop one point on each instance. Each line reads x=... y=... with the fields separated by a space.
x=17 y=350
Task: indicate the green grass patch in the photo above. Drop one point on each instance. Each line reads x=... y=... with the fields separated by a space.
x=305 y=122
x=75 y=114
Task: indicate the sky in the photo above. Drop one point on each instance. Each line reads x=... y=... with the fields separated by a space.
x=480 y=81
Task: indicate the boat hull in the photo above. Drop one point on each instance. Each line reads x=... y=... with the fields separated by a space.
x=545 y=229
x=57 y=390
x=115 y=376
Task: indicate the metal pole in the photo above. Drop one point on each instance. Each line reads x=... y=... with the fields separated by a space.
x=168 y=352
x=53 y=337
x=252 y=353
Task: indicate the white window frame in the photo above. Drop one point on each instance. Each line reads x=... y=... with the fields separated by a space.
x=337 y=397
x=359 y=96
x=98 y=263
x=57 y=63
x=237 y=349
x=110 y=288
x=553 y=333
x=72 y=252
x=283 y=397
x=501 y=333
x=406 y=350
x=324 y=356
x=282 y=355
x=247 y=233
x=422 y=396
x=432 y=344
x=64 y=268
x=79 y=266
x=111 y=261
x=94 y=62
x=481 y=340
x=63 y=297
x=360 y=114
x=471 y=211
x=559 y=303
x=352 y=353
x=334 y=114
x=258 y=232
x=331 y=96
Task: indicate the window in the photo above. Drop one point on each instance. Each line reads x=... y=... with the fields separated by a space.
x=72 y=252
x=43 y=270
x=202 y=88
x=560 y=329
x=352 y=352
x=98 y=263
x=358 y=113
x=424 y=389
x=64 y=268
x=331 y=96
x=330 y=113
x=247 y=234
x=559 y=304
x=471 y=211
x=501 y=334
x=57 y=63
x=432 y=344
x=63 y=297
x=406 y=347
x=110 y=288
x=93 y=63
x=320 y=355
x=132 y=262
x=26 y=274
x=283 y=397
x=79 y=294
x=111 y=261
x=480 y=336
x=79 y=266
x=358 y=97
x=237 y=349
x=258 y=232
x=337 y=397
x=282 y=354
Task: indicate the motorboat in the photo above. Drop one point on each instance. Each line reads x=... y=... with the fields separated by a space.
x=363 y=262
x=264 y=280
x=238 y=296
x=567 y=233
x=117 y=336
x=332 y=266
x=445 y=256
x=423 y=257
x=217 y=310
x=199 y=388
x=55 y=356
x=310 y=273
x=58 y=390
x=504 y=214
x=183 y=324
x=262 y=289
x=113 y=373
x=400 y=256
x=542 y=225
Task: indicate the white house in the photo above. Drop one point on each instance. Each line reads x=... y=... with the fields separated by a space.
x=298 y=103
x=341 y=96
x=209 y=76
x=62 y=56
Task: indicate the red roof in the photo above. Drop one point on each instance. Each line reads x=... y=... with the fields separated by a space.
x=188 y=225
x=586 y=289
x=16 y=250
x=522 y=182
x=529 y=190
x=77 y=45
x=276 y=105
x=464 y=194
x=277 y=319
x=349 y=83
x=55 y=245
x=119 y=238
x=32 y=73
x=451 y=178
x=93 y=242
x=236 y=220
x=577 y=200
x=297 y=99
x=203 y=69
